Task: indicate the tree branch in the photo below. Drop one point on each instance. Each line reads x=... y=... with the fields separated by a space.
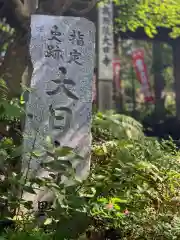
x=30 y=6
x=53 y=7
x=90 y=4
x=66 y=5
x=20 y=12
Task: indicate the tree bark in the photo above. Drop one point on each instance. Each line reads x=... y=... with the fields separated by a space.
x=176 y=64
x=17 y=56
x=31 y=5
x=14 y=65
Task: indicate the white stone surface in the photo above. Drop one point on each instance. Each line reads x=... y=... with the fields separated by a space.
x=52 y=89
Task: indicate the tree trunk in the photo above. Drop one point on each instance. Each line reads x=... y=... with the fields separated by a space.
x=176 y=63
x=14 y=65
x=159 y=82
x=17 y=57
x=31 y=5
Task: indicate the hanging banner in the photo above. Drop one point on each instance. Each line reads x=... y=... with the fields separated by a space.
x=142 y=75
x=60 y=103
x=116 y=73
x=106 y=42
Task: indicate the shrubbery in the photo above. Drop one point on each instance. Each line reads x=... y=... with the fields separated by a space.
x=132 y=192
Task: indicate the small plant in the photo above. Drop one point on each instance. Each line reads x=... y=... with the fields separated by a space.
x=132 y=191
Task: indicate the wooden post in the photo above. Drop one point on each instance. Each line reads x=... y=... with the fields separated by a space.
x=105 y=56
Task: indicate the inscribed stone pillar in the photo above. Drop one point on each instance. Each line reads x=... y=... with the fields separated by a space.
x=60 y=101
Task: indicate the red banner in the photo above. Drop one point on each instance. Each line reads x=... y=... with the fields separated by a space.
x=142 y=75
x=116 y=73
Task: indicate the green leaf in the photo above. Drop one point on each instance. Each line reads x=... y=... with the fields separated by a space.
x=48 y=221
x=29 y=189
x=63 y=151
x=58 y=165
x=37 y=153
x=100 y=177
x=118 y=200
x=17 y=151
x=22 y=101
x=88 y=194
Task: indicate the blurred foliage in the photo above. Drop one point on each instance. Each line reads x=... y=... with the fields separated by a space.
x=150 y=15
x=131 y=193
x=128 y=76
